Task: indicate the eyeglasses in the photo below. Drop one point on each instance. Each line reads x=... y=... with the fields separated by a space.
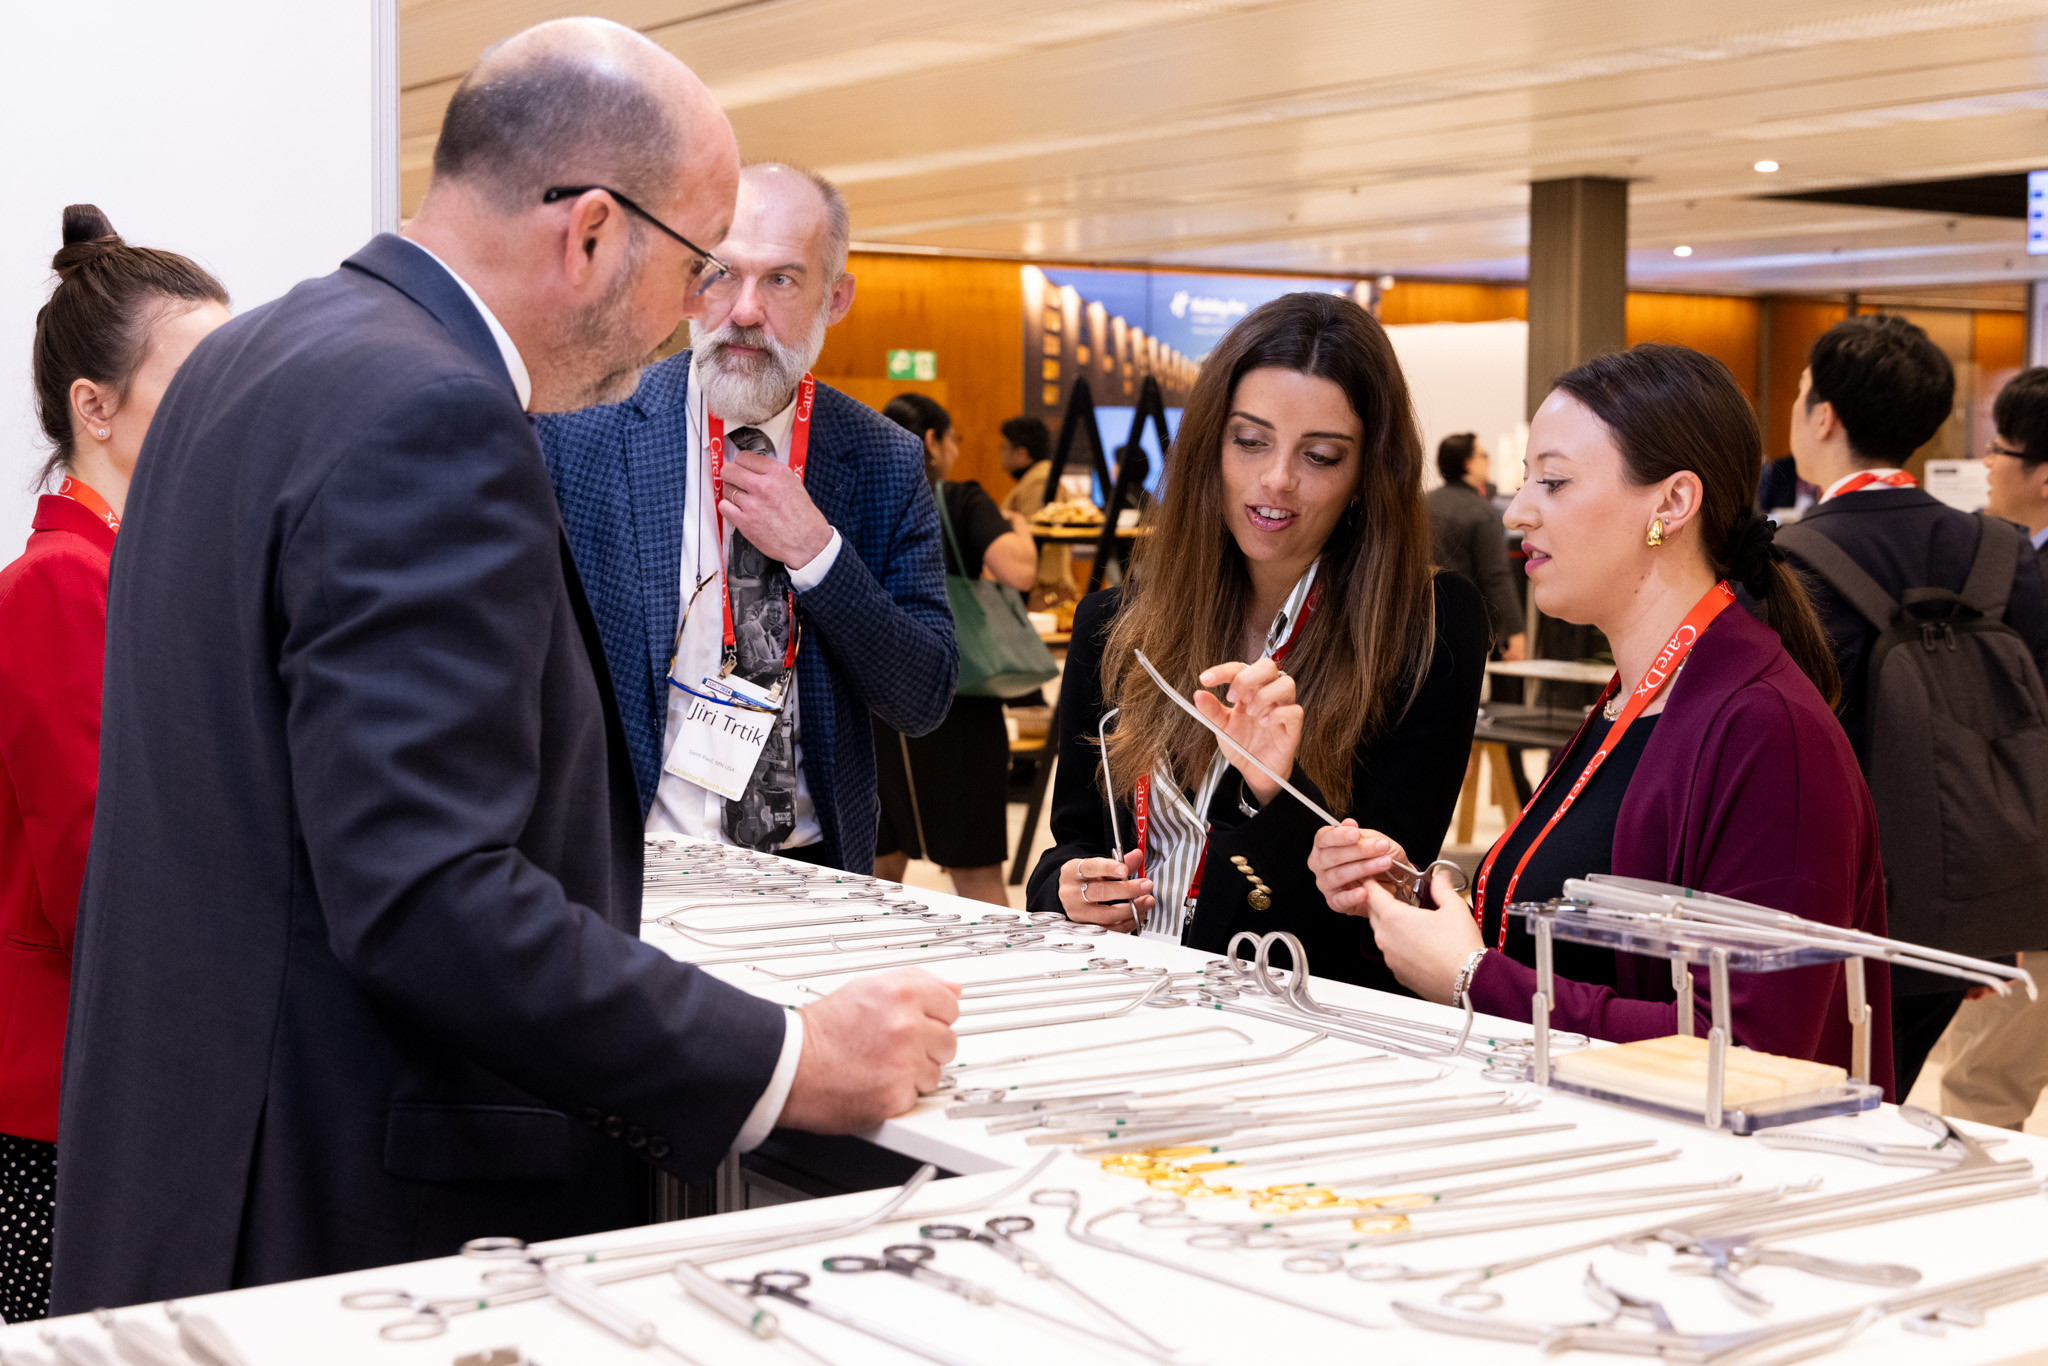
x=1998 y=448
x=710 y=270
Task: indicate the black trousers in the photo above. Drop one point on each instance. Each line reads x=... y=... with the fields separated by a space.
x=1917 y=1022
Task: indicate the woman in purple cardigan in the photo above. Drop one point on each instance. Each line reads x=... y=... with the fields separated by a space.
x=1722 y=770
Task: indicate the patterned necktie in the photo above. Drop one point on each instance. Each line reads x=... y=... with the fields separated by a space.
x=764 y=815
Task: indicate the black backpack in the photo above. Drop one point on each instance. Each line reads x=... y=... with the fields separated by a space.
x=1957 y=750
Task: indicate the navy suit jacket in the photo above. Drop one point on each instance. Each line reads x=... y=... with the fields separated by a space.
x=358 y=969
x=878 y=633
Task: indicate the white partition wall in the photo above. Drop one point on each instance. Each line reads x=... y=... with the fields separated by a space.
x=1468 y=377
x=250 y=135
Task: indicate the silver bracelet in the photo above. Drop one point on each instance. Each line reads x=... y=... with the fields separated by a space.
x=1462 y=987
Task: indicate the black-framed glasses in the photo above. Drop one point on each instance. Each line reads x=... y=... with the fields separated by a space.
x=710 y=272
x=1998 y=447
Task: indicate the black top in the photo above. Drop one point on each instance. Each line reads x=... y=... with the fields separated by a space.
x=1583 y=843
x=977 y=521
x=1906 y=538
x=1404 y=783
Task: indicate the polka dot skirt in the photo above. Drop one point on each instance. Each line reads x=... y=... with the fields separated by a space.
x=28 y=1200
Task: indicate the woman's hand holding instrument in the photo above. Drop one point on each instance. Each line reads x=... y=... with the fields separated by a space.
x=1258 y=715
x=1106 y=891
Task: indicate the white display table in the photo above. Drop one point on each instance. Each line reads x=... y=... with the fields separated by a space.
x=304 y=1322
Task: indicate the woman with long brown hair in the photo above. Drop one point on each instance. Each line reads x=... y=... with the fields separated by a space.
x=1713 y=761
x=1287 y=564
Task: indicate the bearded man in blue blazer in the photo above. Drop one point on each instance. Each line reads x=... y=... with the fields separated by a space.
x=728 y=490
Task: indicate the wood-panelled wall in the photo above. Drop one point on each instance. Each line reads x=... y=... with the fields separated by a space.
x=970 y=313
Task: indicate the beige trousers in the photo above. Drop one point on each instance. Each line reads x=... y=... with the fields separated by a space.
x=1996 y=1055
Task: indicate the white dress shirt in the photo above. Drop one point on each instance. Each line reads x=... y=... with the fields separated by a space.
x=2039 y=538
x=680 y=806
x=768 y=1108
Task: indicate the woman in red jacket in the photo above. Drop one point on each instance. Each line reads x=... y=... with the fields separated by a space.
x=117 y=327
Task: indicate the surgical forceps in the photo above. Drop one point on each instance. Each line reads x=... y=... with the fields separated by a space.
x=1953 y=1150
x=1971 y=1296
x=783 y=1285
x=950 y=1077
x=999 y=1236
x=912 y=1260
x=1085 y=1233
x=1004 y=1095
x=1414 y=882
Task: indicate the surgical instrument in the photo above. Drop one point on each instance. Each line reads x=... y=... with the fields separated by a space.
x=1975 y=1294
x=912 y=1261
x=1149 y=995
x=138 y=1343
x=1433 y=1142
x=783 y=1285
x=627 y=1324
x=202 y=1338
x=1286 y=1198
x=1193 y=1141
x=1134 y=1104
x=1116 y=836
x=75 y=1351
x=1085 y=1233
x=1415 y=884
x=999 y=1236
x=428 y=1315
x=985 y=1095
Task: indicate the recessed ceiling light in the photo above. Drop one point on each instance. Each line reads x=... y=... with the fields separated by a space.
x=1767 y=166
x=1681 y=251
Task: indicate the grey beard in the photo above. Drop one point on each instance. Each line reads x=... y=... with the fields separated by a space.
x=750 y=392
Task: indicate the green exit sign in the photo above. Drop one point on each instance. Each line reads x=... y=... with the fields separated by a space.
x=913 y=365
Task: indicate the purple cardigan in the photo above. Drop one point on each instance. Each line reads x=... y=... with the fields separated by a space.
x=1747 y=788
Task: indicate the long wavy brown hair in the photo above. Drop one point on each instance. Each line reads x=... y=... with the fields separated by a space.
x=1364 y=651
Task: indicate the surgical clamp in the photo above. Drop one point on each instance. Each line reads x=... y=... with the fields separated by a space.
x=998 y=1235
x=783 y=1285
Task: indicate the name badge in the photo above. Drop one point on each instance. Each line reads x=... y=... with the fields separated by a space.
x=722 y=726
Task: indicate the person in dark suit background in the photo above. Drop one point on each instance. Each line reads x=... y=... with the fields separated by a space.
x=1876 y=389
x=358 y=974
x=1470 y=540
x=855 y=538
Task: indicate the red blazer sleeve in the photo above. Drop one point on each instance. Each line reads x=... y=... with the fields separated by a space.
x=53 y=619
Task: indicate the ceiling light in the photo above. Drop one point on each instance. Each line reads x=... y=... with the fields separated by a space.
x=1681 y=251
x=1386 y=282
x=1767 y=166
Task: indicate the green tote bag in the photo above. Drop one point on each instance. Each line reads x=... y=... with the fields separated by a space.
x=1000 y=652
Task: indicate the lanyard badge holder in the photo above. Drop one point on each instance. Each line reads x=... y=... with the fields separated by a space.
x=725 y=719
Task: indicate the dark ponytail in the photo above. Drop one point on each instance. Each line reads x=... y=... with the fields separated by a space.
x=97 y=323
x=1670 y=408
x=921 y=416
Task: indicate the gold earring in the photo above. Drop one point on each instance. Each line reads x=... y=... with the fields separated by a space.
x=1656 y=536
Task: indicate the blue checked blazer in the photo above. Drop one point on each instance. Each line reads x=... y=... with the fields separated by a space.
x=878 y=634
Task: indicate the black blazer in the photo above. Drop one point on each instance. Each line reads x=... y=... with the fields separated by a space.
x=1906 y=538
x=358 y=973
x=1404 y=783
x=1470 y=539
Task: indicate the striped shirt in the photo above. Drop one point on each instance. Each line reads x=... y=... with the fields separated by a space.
x=1177 y=829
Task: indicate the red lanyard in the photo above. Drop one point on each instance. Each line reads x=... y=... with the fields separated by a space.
x=1654 y=678
x=799 y=447
x=86 y=497
x=1142 y=799
x=1897 y=479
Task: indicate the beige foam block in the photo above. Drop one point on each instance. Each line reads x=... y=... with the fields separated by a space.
x=1673 y=1071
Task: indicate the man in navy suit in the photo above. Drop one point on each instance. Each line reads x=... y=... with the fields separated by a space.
x=358 y=974
x=727 y=459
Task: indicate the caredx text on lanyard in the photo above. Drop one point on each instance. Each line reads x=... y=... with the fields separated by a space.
x=1654 y=678
x=799 y=446
x=723 y=723
x=1142 y=798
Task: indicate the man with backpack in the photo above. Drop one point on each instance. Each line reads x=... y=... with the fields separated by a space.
x=1940 y=625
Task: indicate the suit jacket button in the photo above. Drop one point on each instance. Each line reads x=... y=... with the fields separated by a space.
x=657 y=1147
x=614 y=1126
x=636 y=1137
x=594 y=1118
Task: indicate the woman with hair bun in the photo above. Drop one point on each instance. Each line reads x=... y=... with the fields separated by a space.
x=1713 y=760
x=118 y=325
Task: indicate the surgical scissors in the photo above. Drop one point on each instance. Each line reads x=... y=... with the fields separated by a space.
x=912 y=1260
x=783 y=1285
x=999 y=1236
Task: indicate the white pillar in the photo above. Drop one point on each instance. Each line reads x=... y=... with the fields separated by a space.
x=257 y=137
